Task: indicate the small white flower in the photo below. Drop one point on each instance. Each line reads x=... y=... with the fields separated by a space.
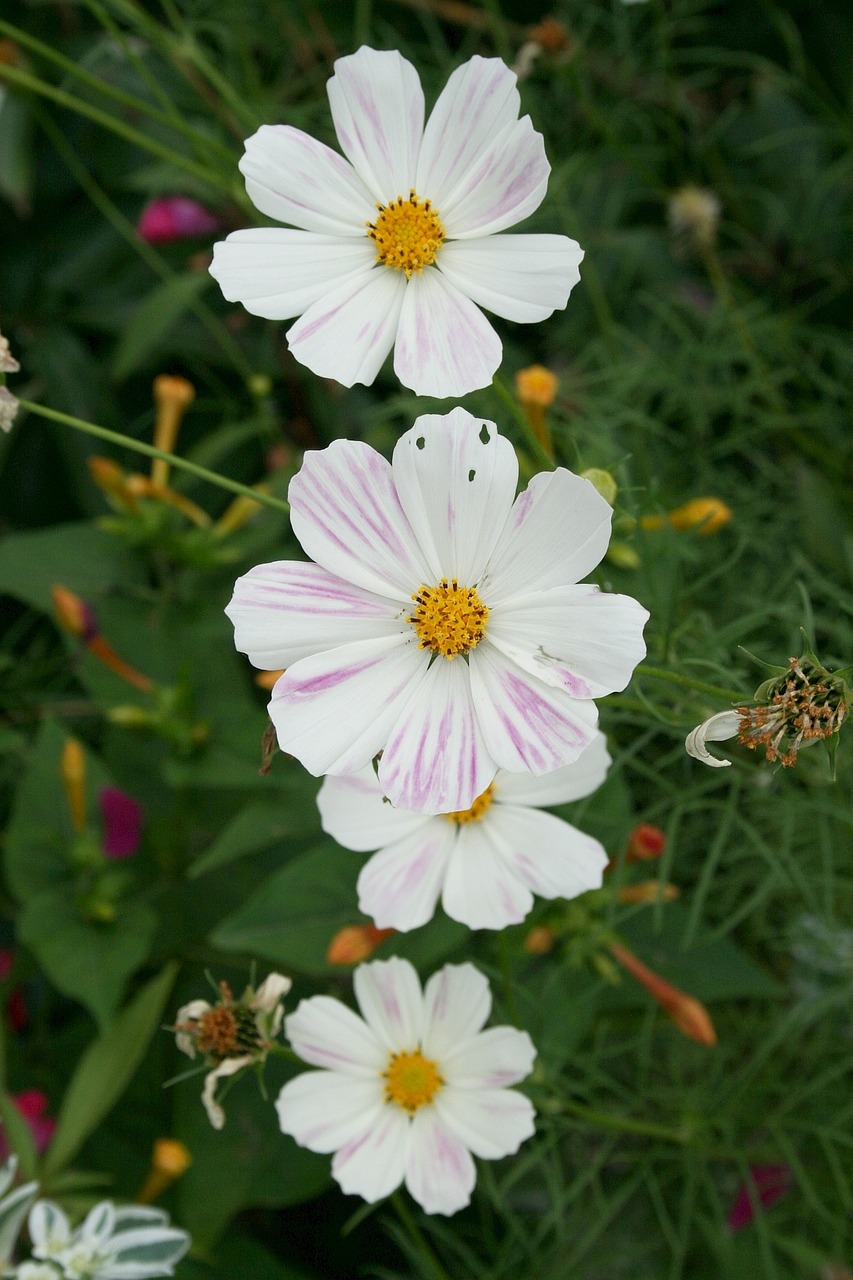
x=485 y=863
x=8 y=363
x=9 y=406
x=132 y=1243
x=36 y=1271
x=412 y=1088
x=399 y=244
x=725 y=724
x=443 y=623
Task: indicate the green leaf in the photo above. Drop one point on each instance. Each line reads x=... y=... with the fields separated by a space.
x=105 y=1069
x=256 y=827
x=17 y=161
x=19 y=1137
x=148 y=330
x=78 y=556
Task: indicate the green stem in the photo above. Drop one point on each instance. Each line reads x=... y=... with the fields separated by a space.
x=506 y=971
x=625 y=1124
x=25 y=81
x=417 y=1236
x=138 y=446
x=688 y=682
x=532 y=441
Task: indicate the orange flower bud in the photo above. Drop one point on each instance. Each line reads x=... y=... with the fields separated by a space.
x=74 y=614
x=112 y=480
x=172 y=396
x=550 y=35
x=645 y=843
x=169 y=1159
x=536 y=385
x=647 y=891
x=540 y=940
x=689 y=1015
x=355 y=942
x=241 y=510
x=266 y=679
x=141 y=487
x=72 y=770
x=706 y=515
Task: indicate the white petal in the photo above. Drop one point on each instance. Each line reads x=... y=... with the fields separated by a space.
x=293 y=178
x=455 y=477
x=49 y=1228
x=389 y=996
x=335 y=711
x=189 y=1013
x=279 y=273
x=378 y=110
x=580 y=639
x=479 y=101
x=527 y=725
x=492 y=1123
x=229 y=1067
x=288 y=610
x=349 y=332
x=445 y=345
x=725 y=724
x=457 y=1002
x=327 y=1034
x=557 y=532
x=324 y=1110
x=506 y=183
x=440 y=1173
x=354 y=811
x=522 y=278
x=549 y=855
x=490 y=1060
x=399 y=886
x=572 y=782
x=435 y=760
x=271 y=992
x=374 y=1165
x=347 y=516
x=481 y=889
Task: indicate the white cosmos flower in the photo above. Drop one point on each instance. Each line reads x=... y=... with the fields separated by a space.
x=485 y=862
x=442 y=623
x=400 y=244
x=725 y=724
x=410 y=1089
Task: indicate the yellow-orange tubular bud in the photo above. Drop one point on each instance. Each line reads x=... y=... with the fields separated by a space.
x=648 y=891
x=172 y=396
x=540 y=940
x=705 y=515
x=73 y=613
x=169 y=1160
x=536 y=388
x=238 y=513
x=266 y=679
x=72 y=770
x=141 y=487
x=112 y=480
x=355 y=942
x=689 y=1015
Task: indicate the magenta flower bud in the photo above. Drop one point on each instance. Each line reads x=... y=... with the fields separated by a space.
x=121 y=818
x=770 y=1183
x=175 y=218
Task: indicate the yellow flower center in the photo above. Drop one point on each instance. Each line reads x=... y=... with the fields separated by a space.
x=411 y=1080
x=449 y=619
x=477 y=811
x=407 y=234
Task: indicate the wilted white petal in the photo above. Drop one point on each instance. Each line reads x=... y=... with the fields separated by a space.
x=228 y=1067
x=9 y=406
x=725 y=724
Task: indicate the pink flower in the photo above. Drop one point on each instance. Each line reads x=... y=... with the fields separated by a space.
x=769 y=1183
x=121 y=818
x=175 y=218
x=32 y=1104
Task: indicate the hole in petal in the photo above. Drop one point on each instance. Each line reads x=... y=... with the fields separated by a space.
x=471 y=475
x=420 y=442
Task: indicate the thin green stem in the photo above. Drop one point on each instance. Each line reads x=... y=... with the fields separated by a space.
x=625 y=1124
x=138 y=446
x=689 y=682
x=25 y=81
x=531 y=440
x=417 y=1236
x=506 y=971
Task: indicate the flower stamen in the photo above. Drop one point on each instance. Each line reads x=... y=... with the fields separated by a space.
x=411 y=1080
x=449 y=619
x=803 y=708
x=477 y=811
x=407 y=233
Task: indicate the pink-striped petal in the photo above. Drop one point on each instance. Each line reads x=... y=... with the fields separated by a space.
x=354 y=812
x=440 y=1173
x=293 y=178
x=278 y=273
x=327 y=1034
x=572 y=782
x=492 y=1123
x=350 y=331
x=522 y=278
x=578 y=638
x=400 y=885
x=557 y=532
x=457 y=1002
x=491 y=1059
x=456 y=480
x=527 y=725
x=435 y=760
x=445 y=345
x=479 y=100
x=374 y=1165
x=389 y=996
x=550 y=856
x=505 y=183
x=481 y=889
x=378 y=111
x=347 y=516
x=289 y=609
x=324 y=1110
x=334 y=711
